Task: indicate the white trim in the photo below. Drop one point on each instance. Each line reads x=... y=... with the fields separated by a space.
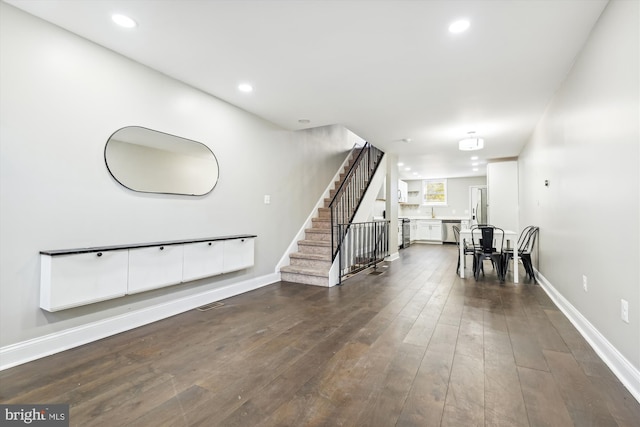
x=628 y=374
x=393 y=256
x=26 y=351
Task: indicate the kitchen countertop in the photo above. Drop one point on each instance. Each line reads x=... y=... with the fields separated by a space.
x=440 y=218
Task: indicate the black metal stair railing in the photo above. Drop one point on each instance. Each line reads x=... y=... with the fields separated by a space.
x=348 y=196
x=365 y=244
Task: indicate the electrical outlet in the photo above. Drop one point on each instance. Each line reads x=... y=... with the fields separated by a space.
x=584 y=283
x=267 y=199
x=624 y=310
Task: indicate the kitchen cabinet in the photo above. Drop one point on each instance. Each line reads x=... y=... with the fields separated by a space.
x=403 y=192
x=413 y=230
x=429 y=230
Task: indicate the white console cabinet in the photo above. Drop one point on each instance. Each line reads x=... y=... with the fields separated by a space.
x=75 y=277
x=203 y=259
x=154 y=267
x=238 y=254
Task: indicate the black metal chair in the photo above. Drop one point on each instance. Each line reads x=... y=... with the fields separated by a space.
x=489 y=246
x=526 y=243
x=468 y=250
x=477 y=244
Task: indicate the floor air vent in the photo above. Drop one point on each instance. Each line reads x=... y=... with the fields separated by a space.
x=210 y=306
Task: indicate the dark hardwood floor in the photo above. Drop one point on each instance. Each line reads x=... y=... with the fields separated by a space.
x=414 y=346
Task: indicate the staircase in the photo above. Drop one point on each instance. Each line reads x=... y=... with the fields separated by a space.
x=312 y=263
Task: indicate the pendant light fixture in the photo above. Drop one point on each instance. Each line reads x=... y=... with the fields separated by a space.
x=471 y=142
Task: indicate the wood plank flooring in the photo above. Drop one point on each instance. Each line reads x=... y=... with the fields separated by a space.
x=414 y=346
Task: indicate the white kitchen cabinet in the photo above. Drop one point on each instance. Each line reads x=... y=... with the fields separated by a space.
x=202 y=259
x=82 y=278
x=413 y=230
x=154 y=267
x=238 y=254
x=429 y=230
x=403 y=192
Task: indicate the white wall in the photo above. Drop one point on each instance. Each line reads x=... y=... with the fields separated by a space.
x=457 y=198
x=61 y=99
x=587 y=146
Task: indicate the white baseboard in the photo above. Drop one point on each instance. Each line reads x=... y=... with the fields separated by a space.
x=628 y=374
x=26 y=351
x=393 y=256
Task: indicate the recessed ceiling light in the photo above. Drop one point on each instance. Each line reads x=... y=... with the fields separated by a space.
x=459 y=26
x=406 y=139
x=400 y=164
x=245 y=87
x=475 y=169
x=474 y=164
x=123 y=21
x=407 y=169
x=474 y=157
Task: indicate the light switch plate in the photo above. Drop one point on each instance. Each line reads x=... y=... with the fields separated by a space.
x=267 y=199
x=624 y=310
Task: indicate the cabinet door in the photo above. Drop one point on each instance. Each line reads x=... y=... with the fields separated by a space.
x=435 y=232
x=202 y=259
x=238 y=254
x=403 y=192
x=154 y=267
x=77 y=279
x=422 y=230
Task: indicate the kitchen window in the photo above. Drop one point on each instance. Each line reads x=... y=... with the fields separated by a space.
x=434 y=192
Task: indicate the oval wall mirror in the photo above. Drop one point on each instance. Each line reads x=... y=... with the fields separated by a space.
x=149 y=161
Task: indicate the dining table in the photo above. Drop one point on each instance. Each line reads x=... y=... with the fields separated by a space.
x=510 y=241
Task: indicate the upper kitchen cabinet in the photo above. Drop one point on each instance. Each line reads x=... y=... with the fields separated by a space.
x=502 y=194
x=403 y=192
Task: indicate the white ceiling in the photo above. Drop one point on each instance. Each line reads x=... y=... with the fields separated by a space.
x=386 y=69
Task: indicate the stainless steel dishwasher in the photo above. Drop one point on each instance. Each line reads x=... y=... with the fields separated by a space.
x=447 y=230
